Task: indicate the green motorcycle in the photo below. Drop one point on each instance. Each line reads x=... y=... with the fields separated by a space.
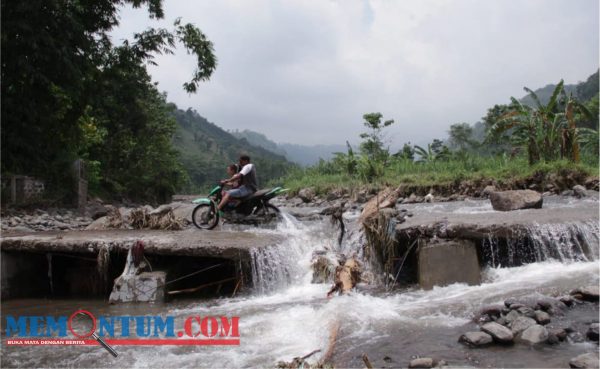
x=253 y=209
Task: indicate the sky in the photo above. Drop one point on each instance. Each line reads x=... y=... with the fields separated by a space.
x=306 y=71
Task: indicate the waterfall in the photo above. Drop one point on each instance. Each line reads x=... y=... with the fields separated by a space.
x=564 y=242
x=278 y=266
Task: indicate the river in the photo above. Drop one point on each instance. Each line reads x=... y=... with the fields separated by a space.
x=286 y=315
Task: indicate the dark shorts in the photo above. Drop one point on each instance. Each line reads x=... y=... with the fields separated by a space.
x=240 y=192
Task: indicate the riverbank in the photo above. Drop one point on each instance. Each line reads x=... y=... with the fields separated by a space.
x=451 y=178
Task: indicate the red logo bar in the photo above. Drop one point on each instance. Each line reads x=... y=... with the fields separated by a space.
x=125 y=342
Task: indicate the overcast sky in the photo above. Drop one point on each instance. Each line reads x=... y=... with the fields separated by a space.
x=306 y=71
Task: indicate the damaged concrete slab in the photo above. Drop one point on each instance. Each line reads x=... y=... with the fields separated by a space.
x=86 y=263
x=222 y=244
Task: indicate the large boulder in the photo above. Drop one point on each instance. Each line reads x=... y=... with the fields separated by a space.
x=589 y=360
x=589 y=293
x=498 y=332
x=516 y=199
x=97 y=210
x=475 y=339
x=421 y=362
x=534 y=335
x=520 y=324
x=306 y=194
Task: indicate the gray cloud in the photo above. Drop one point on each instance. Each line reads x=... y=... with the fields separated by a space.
x=306 y=71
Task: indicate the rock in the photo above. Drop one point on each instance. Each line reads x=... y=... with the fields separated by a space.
x=410 y=200
x=96 y=211
x=498 y=332
x=534 y=335
x=520 y=324
x=20 y=229
x=306 y=194
x=422 y=362
x=335 y=194
x=592 y=332
x=589 y=293
x=575 y=337
x=492 y=311
x=475 y=339
x=559 y=333
x=184 y=211
x=501 y=320
x=579 y=191
x=552 y=339
x=515 y=200
x=488 y=190
x=161 y=210
x=542 y=317
x=589 y=360
x=526 y=311
x=512 y=316
x=551 y=305
x=428 y=198
x=100 y=223
x=567 y=300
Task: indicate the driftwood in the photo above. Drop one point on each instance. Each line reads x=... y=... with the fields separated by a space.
x=384 y=199
x=346 y=276
x=367 y=361
x=298 y=362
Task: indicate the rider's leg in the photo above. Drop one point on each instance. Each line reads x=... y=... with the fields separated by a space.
x=224 y=200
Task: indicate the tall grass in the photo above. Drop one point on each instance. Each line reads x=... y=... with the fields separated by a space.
x=325 y=177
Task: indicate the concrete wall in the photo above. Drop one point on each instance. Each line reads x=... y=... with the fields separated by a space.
x=446 y=262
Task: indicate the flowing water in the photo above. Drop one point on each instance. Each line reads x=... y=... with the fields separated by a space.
x=285 y=315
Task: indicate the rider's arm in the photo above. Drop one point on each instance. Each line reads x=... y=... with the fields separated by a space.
x=235 y=177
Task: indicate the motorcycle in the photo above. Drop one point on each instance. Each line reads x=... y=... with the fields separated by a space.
x=252 y=209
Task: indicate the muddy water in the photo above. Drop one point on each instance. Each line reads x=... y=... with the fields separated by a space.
x=287 y=316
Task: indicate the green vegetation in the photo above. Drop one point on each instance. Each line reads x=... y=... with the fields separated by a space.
x=324 y=177
x=555 y=134
x=206 y=150
x=69 y=93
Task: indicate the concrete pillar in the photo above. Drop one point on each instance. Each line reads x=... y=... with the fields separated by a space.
x=447 y=262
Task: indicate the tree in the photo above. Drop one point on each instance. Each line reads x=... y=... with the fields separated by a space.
x=461 y=136
x=435 y=151
x=57 y=57
x=374 y=154
x=407 y=152
x=547 y=131
x=373 y=145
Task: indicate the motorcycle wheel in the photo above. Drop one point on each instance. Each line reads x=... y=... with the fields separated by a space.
x=270 y=209
x=205 y=216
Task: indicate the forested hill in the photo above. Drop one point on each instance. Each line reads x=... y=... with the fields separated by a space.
x=299 y=154
x=206 y=150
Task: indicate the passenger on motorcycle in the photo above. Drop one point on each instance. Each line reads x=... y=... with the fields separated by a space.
x=247 y=178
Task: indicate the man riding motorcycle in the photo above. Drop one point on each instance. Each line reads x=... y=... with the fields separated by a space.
x=247 y=177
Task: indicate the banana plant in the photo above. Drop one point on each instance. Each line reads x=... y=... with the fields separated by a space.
x=547 y=131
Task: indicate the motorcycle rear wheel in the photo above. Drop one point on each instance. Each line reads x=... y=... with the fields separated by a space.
x=205 y=216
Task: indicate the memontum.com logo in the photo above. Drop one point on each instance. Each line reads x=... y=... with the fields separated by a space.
x=86 y=329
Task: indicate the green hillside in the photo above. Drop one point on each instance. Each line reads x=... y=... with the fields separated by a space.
x=583 y=91
x=206 y=150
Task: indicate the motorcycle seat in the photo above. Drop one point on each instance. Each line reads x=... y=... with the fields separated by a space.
x=259 y=193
